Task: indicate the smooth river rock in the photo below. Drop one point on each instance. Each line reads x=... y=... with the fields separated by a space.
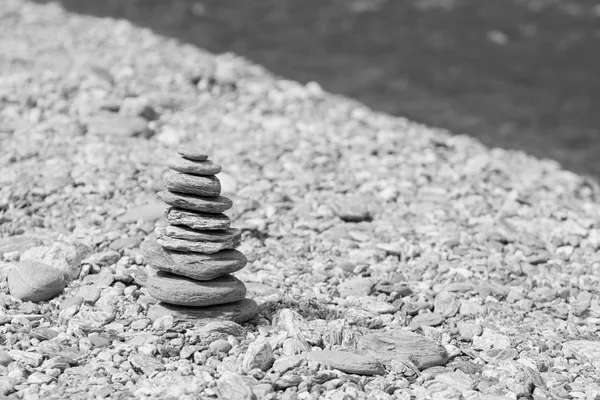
x=202 y=267
x=230 y=235
x=179 y=290
x=193 y=167
x=191 y=154
x=197 y=220
x=207 y=186
x=344 y=361
x=170 y=243
x=239 y=311
x=35 y=281
x=215 y=205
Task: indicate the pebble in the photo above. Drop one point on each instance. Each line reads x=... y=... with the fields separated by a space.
x=35 y=281
x=202 y=267
x=103 y=279
x=125 y=243
x=403 y=346
x=207 y=186
x=446 y=304
x=197 y=220
x=113 y=124
x=220 y=346
x=19 y=243
x=193 y=167
x=232 y=386
x=5 y=358
x=65 y=257
x=351 y=209
x=215 y=205
x=191 y=154
x=179 y=290
x=151 y=211
x=140 y=324
x=89 y=294
x=356 y=286
x=583 y=350
x=426 y=319
x=146 y=364
x=468 y=330
x=491 y=339
x=259 y=355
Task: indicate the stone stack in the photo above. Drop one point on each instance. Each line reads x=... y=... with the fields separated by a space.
x=192 y=258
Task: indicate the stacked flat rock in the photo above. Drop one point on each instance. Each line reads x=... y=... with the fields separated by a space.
x=192 y=258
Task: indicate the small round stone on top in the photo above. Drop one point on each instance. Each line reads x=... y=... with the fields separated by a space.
x=191 y=154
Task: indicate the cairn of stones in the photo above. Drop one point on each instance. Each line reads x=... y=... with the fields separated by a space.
x=193 y=257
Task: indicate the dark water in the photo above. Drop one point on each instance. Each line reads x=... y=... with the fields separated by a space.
x=500 y=71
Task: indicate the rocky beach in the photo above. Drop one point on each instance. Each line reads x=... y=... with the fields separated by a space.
x=379 y=258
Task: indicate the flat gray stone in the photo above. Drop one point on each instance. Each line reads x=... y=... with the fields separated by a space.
x=403 y=346
x=193 y=167
x=201 y=267
x=230 y=235
x=239 y=311
x=346 y=362
x=215 y=205
x=208 y=186
x=183 y=245
x=179 y=290
x=191 y=154
x=35 y=281
x=146 y=212
x=197 y=220
x=18 y=243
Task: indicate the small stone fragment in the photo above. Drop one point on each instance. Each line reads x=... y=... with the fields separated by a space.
x=35 y=281
x=146 y=212
x=220 y=346
x=232 y=386
x=426 y=319
x=352 y=209
x=446 y=304
x=259 y=355
x=113 y=124
x=356 y=286
x=346 y=362
x=146 y=364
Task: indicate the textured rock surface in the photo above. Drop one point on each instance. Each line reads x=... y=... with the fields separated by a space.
x=198 y=247
x=193 y=167
x=191 y=154
x=214 y=205
x=239 y=311
x=219 y=236
x=197 y=220
x=403 y=346
x=208 y=186
x=179 y=290
x=35 y=281
x=197 y=266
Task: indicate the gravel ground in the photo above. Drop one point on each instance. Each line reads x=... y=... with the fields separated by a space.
x=425 y=265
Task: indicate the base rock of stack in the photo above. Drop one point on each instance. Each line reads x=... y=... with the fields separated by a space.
x=208 y=186
x=239 y=311
x=201 y=267
x=179 y=290
x=194 y=167
x=190 y=202
x=197 y=220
